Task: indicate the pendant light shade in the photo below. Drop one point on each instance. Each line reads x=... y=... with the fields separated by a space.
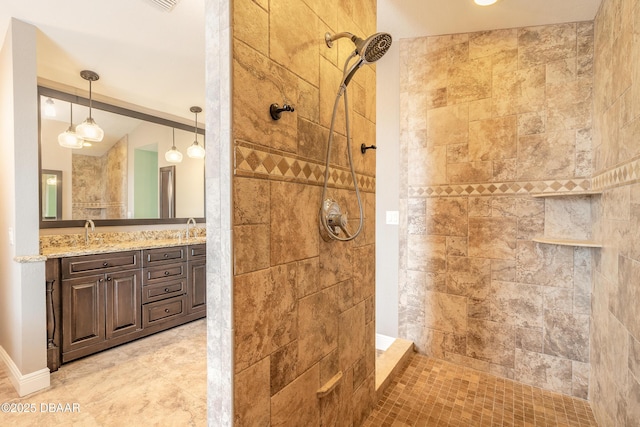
x=196 y=151
x=69 y=138
x=89 y=129
x=173 y=155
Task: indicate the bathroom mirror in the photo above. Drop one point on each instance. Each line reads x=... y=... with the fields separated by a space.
x=117 y=181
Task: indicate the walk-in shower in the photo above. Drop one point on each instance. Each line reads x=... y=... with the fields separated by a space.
x=367 y=51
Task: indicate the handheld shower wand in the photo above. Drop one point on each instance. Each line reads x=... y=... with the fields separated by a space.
x=367 y=51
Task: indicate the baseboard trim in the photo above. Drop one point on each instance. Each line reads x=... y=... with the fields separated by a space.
x=25 y=384
x=383 y=342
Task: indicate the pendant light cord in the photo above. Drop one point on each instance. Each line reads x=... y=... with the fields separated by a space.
x=195 y=130
x=90 y=99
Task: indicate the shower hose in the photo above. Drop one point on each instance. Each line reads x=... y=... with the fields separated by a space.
x=323 y=218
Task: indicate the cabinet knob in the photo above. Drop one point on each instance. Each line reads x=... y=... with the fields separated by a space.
x=166 y=310
x=105 y=264
x=166 y=289
x=166 y=273
x=108 y=279
x=101 y=280
x=166 y=255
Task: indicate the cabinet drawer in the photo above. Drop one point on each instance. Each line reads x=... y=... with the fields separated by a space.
x=197 y=251
x=100 y=263
x=164 y=255
x=161 y=311
x=162 y=291
x=162 y=273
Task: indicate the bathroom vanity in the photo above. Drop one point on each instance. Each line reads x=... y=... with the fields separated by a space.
x=101 y=300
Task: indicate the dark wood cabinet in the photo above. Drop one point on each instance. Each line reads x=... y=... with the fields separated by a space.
x=105 y=300
x=83 y=309
x=123 y=303
x=54 y=311
x=197 y=295
x=197 y=279
x=99 y=307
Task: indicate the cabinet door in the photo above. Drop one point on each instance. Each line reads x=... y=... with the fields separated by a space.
x=123 y=304
x=82 y=312
x=197 y=286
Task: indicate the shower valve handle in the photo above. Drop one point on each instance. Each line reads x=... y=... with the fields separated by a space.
x=339 y=221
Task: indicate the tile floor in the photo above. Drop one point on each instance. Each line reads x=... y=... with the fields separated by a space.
x=158 y=380
x=432 y=392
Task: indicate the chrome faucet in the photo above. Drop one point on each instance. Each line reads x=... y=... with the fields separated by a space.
x=86 y=230
x=190 y=221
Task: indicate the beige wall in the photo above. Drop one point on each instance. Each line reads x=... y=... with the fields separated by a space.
x=22 y=308
x=487 y=119
x=615 y=319
x=303 y=307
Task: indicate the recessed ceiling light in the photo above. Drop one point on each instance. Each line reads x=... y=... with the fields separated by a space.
x=485 y=2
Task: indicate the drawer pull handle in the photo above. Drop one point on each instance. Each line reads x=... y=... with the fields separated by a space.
x=166 y=310
x=105 y=264
x=166 y=289
x=166 y=273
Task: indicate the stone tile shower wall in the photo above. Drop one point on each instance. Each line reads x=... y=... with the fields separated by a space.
x=615 y=318
x=100 y=184
x=303 y=308
x=488 y=119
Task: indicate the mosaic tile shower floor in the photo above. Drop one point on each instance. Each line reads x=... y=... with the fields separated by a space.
x=432 y=392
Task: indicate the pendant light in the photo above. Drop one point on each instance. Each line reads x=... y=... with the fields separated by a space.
x=68 y=138
x=196 y=151
x=173 y=155
x=89 y=129
x=49 y=108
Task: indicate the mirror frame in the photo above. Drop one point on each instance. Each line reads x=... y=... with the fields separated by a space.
x=70 y=223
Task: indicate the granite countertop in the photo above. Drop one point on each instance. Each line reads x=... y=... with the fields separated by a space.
x=101 y=248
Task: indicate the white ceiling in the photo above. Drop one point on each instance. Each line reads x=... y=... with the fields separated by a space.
x=143 y=54
x=155 y=59
x=417 y=18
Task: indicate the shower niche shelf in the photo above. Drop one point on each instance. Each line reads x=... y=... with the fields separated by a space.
x=567 y=242
x=567 y=194
x=560 y=215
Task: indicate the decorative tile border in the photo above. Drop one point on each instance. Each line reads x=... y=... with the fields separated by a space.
x=618 y=176
x=502 y=188
x=257 y=161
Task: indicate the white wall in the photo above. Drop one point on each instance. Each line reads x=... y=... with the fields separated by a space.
x=22 y=287
x=387 y=176
x=189 y=172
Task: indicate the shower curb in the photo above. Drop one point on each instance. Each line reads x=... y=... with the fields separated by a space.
x=392 y=362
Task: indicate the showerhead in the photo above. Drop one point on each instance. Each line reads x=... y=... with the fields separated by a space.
x=369 y=50
x=374 y=47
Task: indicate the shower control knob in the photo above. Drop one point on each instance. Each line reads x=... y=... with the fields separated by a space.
x=334 y=219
